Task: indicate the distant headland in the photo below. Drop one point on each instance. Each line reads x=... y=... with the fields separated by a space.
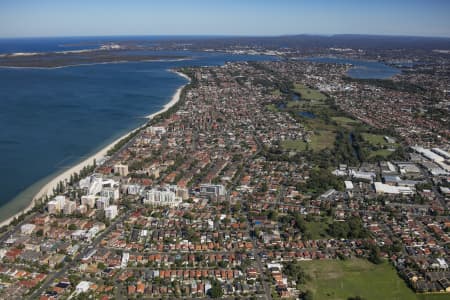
x=108 y=53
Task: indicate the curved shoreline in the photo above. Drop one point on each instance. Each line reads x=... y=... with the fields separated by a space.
x=47 y=189
x=98 y=63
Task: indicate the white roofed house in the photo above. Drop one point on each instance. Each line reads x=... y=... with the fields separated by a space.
x=82 y=287
x=27 y=228
x=156 y=130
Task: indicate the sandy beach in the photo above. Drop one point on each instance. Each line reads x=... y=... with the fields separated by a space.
x=47 y=189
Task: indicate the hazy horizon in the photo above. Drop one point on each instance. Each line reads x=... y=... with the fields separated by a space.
x=50 y=18
x=223 y=36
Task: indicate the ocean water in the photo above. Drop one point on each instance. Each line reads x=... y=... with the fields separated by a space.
x=13 y=45
x=361 y=69
x=51 y=119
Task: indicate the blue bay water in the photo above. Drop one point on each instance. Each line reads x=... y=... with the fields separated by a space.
x=361 y=69
x=52 y=118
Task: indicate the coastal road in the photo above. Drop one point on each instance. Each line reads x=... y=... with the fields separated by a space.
x=15 y=229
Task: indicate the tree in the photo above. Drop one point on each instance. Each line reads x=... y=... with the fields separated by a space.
x=216 y=290
x=264 y=187
x=272 y=215
x=101 y=266
x=308 y=295
x=374 y=256
x=295 y=272
x=73 y=227
x=353 y=228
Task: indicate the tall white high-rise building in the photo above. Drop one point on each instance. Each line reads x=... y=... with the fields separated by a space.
x=56 y=205
x=88 y=200
x=161 y=197
x=69 y=207
x=102 y=203
x=110 y=192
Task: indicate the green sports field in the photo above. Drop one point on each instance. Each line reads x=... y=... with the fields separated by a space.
x=338 y=280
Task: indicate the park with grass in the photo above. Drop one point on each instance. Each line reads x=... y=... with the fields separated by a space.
x=341 y=279
x=307 y=93
x=331 y=129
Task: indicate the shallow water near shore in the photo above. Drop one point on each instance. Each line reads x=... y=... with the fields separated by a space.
x=53 y=118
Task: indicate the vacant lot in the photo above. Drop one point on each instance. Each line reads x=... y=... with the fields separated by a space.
x=339 y=280
x=321 y=139
x=294 y=145
x=318 y=227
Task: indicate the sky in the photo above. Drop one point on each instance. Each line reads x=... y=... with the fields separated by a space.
x=40 y=18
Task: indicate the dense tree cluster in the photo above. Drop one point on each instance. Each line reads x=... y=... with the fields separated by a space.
x=216 y=290
x=294 y=271
x=321 y=180
x=401 y=86
x=350 y=229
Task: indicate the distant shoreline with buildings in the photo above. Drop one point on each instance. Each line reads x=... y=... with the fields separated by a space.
x=47 y=188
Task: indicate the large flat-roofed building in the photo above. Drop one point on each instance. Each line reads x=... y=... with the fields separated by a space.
x=382 y=188
x=214 y=190
x=441 y=152
x=161 y=197
x=428 y=154
x=156 y=130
